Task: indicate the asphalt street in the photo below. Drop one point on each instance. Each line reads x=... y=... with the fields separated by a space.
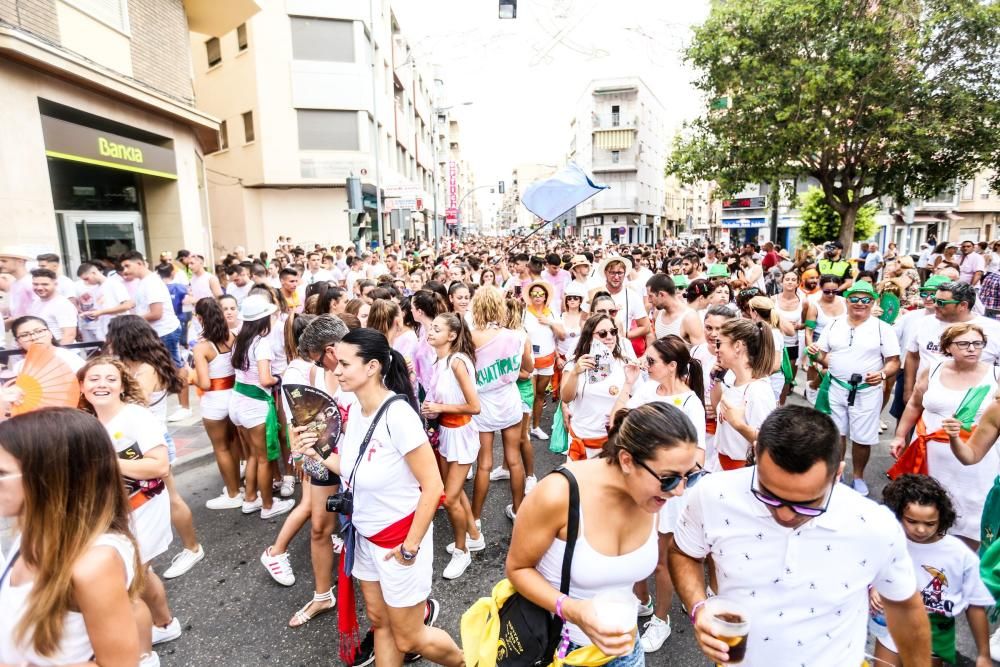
x=234 y=614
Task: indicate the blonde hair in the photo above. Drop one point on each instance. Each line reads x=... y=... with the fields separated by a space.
x=765 y=310
x=488 y=307
x=515 y=313
x=758 y=341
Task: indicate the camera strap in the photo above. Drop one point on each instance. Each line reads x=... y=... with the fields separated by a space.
x=368 y=437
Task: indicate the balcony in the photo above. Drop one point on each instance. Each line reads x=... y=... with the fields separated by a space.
x=610 y=165
x=614 y=121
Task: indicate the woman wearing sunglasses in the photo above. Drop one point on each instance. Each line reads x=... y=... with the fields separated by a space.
x=819 y=312
x=648 y=458
x=675 y=378
x=961 y=381
x=591 y=384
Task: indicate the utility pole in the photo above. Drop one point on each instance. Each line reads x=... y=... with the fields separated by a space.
x=775 y=185
x=378 y=142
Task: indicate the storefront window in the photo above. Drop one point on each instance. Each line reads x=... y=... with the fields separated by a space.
x=82 y=187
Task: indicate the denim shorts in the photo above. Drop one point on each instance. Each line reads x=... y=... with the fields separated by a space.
x=637 y=658
x=173 y=342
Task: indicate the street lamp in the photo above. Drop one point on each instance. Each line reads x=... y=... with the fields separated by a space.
x=508 y=9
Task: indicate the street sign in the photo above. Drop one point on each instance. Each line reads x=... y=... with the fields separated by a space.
x=451 y=216
x=401 y=191
x=396 y=203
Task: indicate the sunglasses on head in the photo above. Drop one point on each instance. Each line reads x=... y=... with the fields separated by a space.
x=670 y=482
x=863 y=300
x=775 y=502
x=750 y=292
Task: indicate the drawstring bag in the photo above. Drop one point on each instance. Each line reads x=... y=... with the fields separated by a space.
x=559 y=440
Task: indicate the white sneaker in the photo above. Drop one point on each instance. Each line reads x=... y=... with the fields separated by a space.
x=529 y=483
x=537 y=432
x=278 y=506
x=654 y=633
x=499 y=473
x=460 y=562
x=859 y=485
x=509 y=511
x=995 y=645
x=179 y=415
x=470 y=544
x=225 y=501
x=279 y=567
x=472 y=473
x=287 y=486
x=150 y=659
x=167 y=634
x=646 y=608
x=251 y=506
x=338 y=544
x=183 y=562
x=243 y=469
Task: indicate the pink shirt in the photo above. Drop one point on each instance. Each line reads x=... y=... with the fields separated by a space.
x=21 y=296
x=558 y=282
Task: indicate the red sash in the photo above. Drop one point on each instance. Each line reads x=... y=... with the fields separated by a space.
x=914 y=458
x=731 y=464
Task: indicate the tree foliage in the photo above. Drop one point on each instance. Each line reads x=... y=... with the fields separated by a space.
x=820 y=223
x=871 y=98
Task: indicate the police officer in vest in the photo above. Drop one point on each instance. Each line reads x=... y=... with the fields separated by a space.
x=831 y=263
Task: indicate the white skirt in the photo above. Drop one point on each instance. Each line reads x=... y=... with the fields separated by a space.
x=498 y=410
x=151 y=527
x=459 y=445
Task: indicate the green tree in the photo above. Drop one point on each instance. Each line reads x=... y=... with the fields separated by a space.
x=820 y=223
x=871 y=98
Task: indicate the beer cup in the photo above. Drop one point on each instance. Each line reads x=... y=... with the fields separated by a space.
x=729 y=621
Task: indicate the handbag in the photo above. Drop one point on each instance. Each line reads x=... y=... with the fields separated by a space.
x=509 y=630
x=559 y=441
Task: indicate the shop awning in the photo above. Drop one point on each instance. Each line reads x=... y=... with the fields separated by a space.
x=613 y=140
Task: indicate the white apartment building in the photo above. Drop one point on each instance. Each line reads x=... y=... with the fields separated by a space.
x=294 y=89
x=618 y=135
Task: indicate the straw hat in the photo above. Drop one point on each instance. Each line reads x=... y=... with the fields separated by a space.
x=15 y=253
x=578 y=260
x=611 y=259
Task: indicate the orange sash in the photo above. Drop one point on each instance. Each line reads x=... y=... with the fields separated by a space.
x=137 y=500
x=710 y=426
x=731 y=464
x=218 y=384
x=914 y=458
x=578 y=446
x=545 y=362
x=452 y=420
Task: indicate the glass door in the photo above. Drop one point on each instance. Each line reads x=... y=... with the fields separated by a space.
x=99 y=235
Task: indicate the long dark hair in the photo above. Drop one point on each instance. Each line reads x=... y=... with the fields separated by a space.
x=587 y=336
x=371 y=345
x=328 y=296
x=213 y=322
x=431 y=303
x=673 y=348
x=133 y=340
x=245 y=338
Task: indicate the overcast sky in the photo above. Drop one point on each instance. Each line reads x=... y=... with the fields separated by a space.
x=525 y=76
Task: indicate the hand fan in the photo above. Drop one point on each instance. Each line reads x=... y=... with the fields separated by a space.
x=313 y=407
x=47 y=381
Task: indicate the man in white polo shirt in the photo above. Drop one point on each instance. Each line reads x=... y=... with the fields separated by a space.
x=798 y=551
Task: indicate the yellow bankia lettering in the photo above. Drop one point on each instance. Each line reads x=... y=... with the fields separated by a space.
x=119 y=151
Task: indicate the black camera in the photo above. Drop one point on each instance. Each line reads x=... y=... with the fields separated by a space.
x=341 y=503
x=856 y=379
x=718 y=374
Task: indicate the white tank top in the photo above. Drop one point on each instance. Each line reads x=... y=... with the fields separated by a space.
x=222 y=365
x=941 y=402
x=675 y=326
x=593 y=572
x=74 y=645
x=794 y=316
x=201 y=286
x=823 y=320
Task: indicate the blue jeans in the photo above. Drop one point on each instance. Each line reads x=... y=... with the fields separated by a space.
x=637 y=658
x=173 y=341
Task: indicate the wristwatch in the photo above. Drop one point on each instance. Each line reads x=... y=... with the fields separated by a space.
x=407 y=555
x=882 y=375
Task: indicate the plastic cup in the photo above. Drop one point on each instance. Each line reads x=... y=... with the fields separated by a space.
x=730 y=622
x=617 y=609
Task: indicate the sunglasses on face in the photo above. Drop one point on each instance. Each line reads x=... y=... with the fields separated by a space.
x=966 y=344
x=863 y=300
x=670 y=482
x=574 y=298
x=944 y=302
x=927 y=294
x=609 y=313
x=536 y=294
x=607 y=333
x=777 y=503
x=829 y=292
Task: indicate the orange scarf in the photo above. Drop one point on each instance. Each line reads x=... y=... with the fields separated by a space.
x=914 y=458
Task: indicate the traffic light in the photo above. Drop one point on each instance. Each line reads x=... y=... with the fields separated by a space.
x=501 y=187
x=359 y=223
x=354 y=201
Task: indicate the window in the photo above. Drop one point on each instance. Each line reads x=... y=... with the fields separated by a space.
x=223 y=136
x=112 y=12
x=322 y=39
x=616 y=157
x=967 y=190
x=615 y=115
x=328 y=130
x=241 y=37
x=214 y=51
x=248 y=135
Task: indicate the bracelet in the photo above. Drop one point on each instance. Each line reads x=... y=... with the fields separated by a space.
x=559 y=604
x=694 y=610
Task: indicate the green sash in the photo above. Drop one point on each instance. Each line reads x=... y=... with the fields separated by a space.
x=943 y=637
x=787 y=368
x=989 y=545
x=823 y=395
x=271 y=424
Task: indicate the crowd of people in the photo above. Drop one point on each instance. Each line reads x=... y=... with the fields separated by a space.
x=705 y=398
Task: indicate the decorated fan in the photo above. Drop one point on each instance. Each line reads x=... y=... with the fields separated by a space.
x=46 y=381
x=313 y=407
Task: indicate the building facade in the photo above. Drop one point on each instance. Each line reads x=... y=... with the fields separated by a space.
x=102 y=147
x=618 y=135
x=304 y=108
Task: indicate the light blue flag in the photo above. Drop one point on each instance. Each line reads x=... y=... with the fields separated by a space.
x=554 y=196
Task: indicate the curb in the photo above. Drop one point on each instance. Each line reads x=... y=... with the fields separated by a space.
x=192 y=461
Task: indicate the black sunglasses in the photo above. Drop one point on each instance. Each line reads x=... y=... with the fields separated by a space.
x=670 y=482
x=774 y=501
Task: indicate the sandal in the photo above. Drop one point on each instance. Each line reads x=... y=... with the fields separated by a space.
x=302 y=616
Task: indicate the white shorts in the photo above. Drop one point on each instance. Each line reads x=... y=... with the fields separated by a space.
x=860 y=422
x=545 y=372
x=498 y=410
x=402 y=585
x=247 y=412
x=459 y=445
x=215 y=404
x=151 y=527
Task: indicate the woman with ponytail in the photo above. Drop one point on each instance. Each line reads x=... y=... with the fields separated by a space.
x=747 y=349
x=394 y=485
x=761 y=309
x=675 y=378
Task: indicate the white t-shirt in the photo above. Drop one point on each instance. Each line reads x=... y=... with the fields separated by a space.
x=805 y=588
x=58 y=313
x=687 y=402
x=385 y=489
x=947 y=576
x=152 y=290
x=906 y=327
x=928 y=338
x=969 y=265
x=543 y=340
x=639 y=284
x=260 y=350
x=237 y=292
x=631 y=305
x=758 y=398
x=596 y=395
x=861 y=349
